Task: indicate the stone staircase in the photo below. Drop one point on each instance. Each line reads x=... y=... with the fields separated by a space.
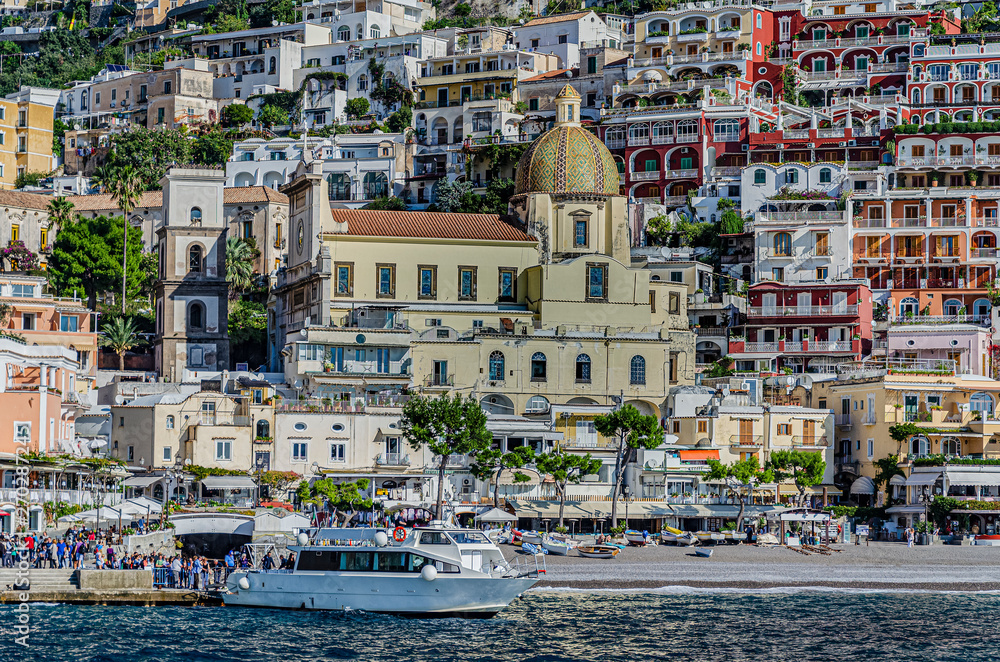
x=41 y=580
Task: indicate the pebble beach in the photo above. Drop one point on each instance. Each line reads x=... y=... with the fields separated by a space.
x=876 y=566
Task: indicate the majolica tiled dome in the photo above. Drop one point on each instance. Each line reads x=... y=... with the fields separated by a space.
x=567 y=158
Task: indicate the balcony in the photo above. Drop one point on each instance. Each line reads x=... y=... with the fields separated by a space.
x=638 y=141
x=769 y=347
x=711 y=331
x=799 y=216
x=863 y=165
x=611 y=143
x=919 y=222
x=849 y=468
x=984 y=252
x=645 y=176
x=746 y=440
x=727 y=171
x=439 y=381
x=844 y=421
x=690 y=37
x=681 y=174
x=810 y=441
x=393 y=460
x=983 y=320
x=802 y=311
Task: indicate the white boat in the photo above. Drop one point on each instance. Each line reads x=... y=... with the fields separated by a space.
x=704 y=536
x=676 y=537
x=636 y=538
x=598 y=551
x=704 y=552
x=718 y=537
x=553 y=546
x=531 y=537
x=431 y=572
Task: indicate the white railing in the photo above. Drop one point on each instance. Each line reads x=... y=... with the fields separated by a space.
x=727 y=171
x=645 y=176
x=638 y=140
x=801 y=216
x=614 y=143
x=802 y=311
x=761 y=346
x=393 y=459
x=681 y=174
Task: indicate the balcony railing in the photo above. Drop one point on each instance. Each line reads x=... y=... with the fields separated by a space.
x=645 y=175
x=802 y=311
x=849 y=467
x=798 y=216
x=943 y=319
x=761 y=346
x=393 y=460
x=711 y=331
x=612 y=143
x=844 y=420
x=746 y=440
x=984 y=252
x=440 y=380
x=816 y=441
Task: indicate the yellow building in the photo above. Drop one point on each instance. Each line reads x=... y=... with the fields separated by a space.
x=25 y=137
x=956 y=415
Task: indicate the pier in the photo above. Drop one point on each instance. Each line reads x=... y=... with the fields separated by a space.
x=98 y=587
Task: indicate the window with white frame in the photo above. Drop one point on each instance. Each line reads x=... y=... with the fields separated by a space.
x=871 y=448
x=167 y=453
x=338 y=452
x=223 y=450
x=300 y=451
x=727 y=130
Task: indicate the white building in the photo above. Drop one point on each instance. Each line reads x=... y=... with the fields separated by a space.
x=564 y=35
x=358 y=17
x=358 y=167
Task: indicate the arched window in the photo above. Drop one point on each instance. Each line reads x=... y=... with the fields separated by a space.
x=982 y=402
x=272 y=67
x=637 y=370
x=376 y=185
x=920 y=446
x=339 y=186
x=909 y=305
x=195 y=216
x=538 y=367
x=791 y=176
x=614 y=137
x=583 y=369
x=638 y=134
x=536 y=404
x=344 y=33
x=496 y=367
x=825 y=175
x=362 y=83
x=375 y=32
x=951 y=446
x=981 y=308
x=196 y=317
x=360 y=32
x=263 y=430
x=759 y=176
x=726 y=130
x=783 y=244
x=170 y=422
x=953 y=306
x=195 y=261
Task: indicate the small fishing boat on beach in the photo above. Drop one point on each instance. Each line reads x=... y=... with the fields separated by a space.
x=704 y=552
x=670 y=535
x=704 y=536
x=637 y=538
x=598 y=551
x=553 y=546
x=531 y=537
x=718 y=537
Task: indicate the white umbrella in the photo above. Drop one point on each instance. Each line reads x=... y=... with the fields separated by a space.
x=496 y=515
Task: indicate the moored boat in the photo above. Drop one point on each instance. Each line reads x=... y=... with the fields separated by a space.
x=704 y=552
x=429 y=572
x=637 y=538
x=704 y=536
x=598 y=551
x=673 y=536
x=531 y=537
x=553 y=546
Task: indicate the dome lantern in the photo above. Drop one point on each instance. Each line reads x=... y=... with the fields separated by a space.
x=568 y=107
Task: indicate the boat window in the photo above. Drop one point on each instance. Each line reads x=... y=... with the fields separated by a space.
x=446 y=567
x=356 y=561
x=322 y=560
x=469 y=538
x=392 y=562
x=418 y=562
x=434 y=538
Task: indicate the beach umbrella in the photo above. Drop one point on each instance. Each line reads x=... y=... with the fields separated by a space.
x=496 y=515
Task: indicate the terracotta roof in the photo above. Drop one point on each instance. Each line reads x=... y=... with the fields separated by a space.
x=556 y=19
x=24 y=200
x=103 y=201
x=371 y=223
x=243 y=194
x=151 y=199
x=555 y=73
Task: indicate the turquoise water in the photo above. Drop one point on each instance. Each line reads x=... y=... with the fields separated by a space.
x=543 y=626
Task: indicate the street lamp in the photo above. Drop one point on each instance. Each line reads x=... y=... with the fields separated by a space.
x=625 y=493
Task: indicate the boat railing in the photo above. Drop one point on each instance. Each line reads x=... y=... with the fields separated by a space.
x=521 y=566
x=274 y=571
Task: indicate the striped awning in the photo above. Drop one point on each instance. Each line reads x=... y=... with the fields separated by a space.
x=863 y=485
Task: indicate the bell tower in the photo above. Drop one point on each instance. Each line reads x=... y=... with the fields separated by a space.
x=568 y=107
x=192 y=295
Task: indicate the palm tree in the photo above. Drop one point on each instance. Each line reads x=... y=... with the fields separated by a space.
x=120 y=334
x=239 y=266
x=125 y=186
x=60 y=212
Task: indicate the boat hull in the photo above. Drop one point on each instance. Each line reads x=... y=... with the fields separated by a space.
x=555 y=548
x=405 y=595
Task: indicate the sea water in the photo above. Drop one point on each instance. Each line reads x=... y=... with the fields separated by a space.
x=545 y=625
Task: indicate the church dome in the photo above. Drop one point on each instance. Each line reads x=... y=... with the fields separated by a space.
x=567 y=158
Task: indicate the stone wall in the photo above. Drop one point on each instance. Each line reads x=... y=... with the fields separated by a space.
x=113 y=580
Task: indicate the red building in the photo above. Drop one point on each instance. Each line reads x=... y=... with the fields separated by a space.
x=807 y=326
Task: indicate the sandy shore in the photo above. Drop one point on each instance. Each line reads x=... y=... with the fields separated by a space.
x=878 y=566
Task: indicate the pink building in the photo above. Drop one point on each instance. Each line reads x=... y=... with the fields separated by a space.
x=965 y=343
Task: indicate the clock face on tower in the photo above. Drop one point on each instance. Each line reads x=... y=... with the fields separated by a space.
x=301 y=237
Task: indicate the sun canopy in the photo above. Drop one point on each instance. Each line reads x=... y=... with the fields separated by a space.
x=228 y=482
x=972 y=477
x=898 y=480
x=496 y=515
x=922 y=479
x=699 y=455
x=141 y=481
x=863 y=485
x=507 y=477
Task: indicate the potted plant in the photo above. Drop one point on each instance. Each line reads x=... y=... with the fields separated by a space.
x=328 y=367
x=973 y=178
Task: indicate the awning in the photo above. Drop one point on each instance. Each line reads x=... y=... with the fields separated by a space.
x=922 y=479
x=905 y=510
x=228 y=482
x=722 y=510
x=141 y=482
x=496 y=515
x=898 y=480
x=549 y=509
x=699 y=455
x=863 y=485
x=814 y=489
x=506 y=477
x=972 y=477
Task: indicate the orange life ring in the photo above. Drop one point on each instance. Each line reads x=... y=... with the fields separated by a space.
x=399 y=534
